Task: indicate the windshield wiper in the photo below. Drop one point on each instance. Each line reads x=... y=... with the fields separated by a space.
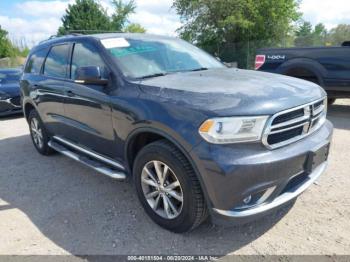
x=153 y=75
x=199 y=69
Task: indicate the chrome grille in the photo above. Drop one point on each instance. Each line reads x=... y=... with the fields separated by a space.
x=294 y=124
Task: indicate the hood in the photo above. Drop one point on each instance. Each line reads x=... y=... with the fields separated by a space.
x=228 y=92
x=10 y=89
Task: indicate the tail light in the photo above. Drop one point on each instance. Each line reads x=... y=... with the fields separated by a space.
x=259 y=61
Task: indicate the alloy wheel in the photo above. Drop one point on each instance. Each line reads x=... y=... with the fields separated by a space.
x=37 y=133
x=162 y=189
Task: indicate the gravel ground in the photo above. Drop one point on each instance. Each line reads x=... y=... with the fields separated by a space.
x=53 y=205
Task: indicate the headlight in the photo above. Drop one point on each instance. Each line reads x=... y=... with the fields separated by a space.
x=233 y=129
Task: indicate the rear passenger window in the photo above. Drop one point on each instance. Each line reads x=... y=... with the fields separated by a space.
x=35 y=62
x=56 y=63
x=87 y=55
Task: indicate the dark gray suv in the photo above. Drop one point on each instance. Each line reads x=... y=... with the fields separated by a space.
x=198 y=139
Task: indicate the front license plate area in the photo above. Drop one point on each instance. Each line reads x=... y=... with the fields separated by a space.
x=317 y=157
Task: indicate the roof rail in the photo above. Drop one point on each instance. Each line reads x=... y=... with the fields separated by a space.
x=81 y=32
x=78 y=33
x=58 y=36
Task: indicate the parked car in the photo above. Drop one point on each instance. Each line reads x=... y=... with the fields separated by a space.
x=326 y=66
x=9 y=92
x=197 y=138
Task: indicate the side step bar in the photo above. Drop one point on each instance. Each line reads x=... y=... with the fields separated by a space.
x=94 y=164
x=89 y=153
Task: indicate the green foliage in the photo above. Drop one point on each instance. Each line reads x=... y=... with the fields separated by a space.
x=339 y=34
x=239 y=26
x=11 y=53
x=121 y=14
x=88 y=16
x=6 y=47
x=24 y=52
x=134 y=28
x=85 y=15
x=306 y=35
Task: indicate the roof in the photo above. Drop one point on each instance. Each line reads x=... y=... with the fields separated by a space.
x=58 y=39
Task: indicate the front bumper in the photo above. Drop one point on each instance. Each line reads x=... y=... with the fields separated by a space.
x=230 y=174
x=10 y=106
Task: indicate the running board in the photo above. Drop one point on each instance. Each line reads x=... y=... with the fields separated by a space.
x=94 y=164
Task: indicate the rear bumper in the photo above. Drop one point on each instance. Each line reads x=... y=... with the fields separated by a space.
x=231 y=174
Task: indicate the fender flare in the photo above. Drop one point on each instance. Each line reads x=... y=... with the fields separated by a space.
x=178 y=142
x=26 y=103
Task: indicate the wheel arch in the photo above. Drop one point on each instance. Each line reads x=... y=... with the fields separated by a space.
x=146 y=135
x=303 y=64
x=132 y=138
x=27 y=107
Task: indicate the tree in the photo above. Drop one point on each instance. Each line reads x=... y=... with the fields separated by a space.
x=6 y=47
x=339 y=34
x=239 y=26
x=134 y=28
x=88 y=16
x=320 y=35
x=85 y=15
x=306 y=35
x=121 y=14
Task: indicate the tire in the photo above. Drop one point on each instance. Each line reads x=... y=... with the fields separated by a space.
x=35 y=122
x=331 y=101
x=192 y=211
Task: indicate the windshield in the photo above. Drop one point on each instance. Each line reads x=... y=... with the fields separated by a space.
x=9 y=77
x=141 y=58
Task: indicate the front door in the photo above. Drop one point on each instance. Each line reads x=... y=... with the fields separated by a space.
x=87 y=107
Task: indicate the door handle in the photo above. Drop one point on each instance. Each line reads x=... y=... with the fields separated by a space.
x=70 y=93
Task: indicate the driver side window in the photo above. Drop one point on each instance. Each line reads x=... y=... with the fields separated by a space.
x=87 y=55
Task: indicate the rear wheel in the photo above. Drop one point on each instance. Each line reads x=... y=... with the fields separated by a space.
x=168 y=188
x=39 y=134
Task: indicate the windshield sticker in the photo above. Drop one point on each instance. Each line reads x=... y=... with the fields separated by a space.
x=132 y=50
x=115 y=43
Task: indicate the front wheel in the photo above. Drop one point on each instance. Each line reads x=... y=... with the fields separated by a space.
x=168 y=188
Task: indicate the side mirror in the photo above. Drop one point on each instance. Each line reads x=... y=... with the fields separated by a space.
x=90 y=75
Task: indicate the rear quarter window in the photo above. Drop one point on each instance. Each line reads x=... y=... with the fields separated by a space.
x=35 y=62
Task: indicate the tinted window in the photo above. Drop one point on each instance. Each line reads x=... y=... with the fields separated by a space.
x=35 y=62
x=56 y=63
x=87 y=55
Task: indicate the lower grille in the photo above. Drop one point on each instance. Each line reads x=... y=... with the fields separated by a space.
x=295 y=182
x=294 y=124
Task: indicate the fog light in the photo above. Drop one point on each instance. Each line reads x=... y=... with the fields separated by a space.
x=256 y=198
x=247 y=199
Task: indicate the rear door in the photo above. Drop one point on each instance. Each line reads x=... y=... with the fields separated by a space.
x=48 y=87
x=88 y=106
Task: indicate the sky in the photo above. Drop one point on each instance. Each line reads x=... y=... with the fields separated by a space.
x=36 y=20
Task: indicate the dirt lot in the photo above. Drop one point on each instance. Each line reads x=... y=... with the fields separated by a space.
x=53 y=205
